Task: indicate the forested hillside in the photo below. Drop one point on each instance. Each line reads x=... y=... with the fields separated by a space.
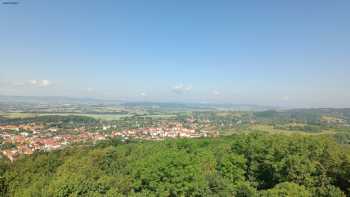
x=255 y=164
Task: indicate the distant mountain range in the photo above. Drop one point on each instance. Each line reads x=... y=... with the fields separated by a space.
x=147 y=105
x=200 y=106
x=129 y=104
x=55 y=100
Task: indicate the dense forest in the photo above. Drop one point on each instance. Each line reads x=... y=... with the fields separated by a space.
x=255 y=164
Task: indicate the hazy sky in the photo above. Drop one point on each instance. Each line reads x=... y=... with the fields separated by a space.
x=290 y=53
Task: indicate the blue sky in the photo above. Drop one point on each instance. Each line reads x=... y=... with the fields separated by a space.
x=286 y=53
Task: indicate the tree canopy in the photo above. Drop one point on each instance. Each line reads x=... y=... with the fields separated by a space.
x=255 y=164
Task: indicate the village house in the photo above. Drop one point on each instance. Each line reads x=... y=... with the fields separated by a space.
x=11 y=154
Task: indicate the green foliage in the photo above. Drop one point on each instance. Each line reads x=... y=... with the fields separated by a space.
x=342 y=137
x=287 y=190
x=244 y=165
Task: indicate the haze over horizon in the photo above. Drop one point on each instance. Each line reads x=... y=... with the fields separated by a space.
x=266 y=53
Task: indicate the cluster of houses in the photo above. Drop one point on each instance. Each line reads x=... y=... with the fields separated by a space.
x=39 y=139
x=158 y=133
x=27 y=145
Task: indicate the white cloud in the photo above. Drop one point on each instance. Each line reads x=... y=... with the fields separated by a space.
x=90 y=90
x=181 y=88
x=24 y=84
x=216 y=93
x=40 y=83
x=285 y=98
x=143 y=94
